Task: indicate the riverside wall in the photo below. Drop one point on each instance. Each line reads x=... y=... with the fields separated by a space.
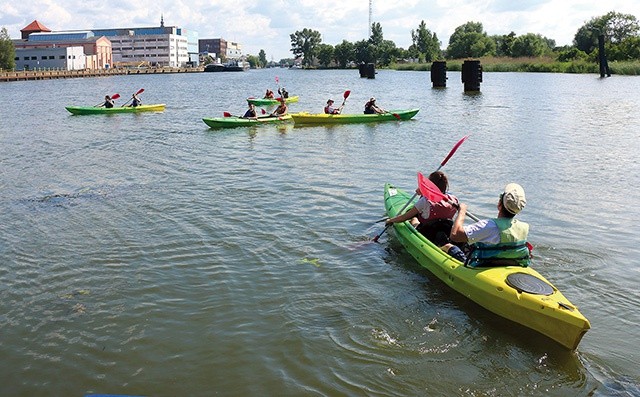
x=65 y=74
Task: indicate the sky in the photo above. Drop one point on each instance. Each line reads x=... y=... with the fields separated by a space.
x=267 y=24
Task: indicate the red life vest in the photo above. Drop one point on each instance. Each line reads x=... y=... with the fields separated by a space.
x=443 y=209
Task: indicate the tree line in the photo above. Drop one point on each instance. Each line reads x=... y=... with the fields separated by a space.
x=621 y=32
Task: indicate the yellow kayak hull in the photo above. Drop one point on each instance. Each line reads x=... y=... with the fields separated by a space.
x=550 y=314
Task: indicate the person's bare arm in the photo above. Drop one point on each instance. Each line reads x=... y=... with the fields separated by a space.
x=401 y=218
x=457 y=231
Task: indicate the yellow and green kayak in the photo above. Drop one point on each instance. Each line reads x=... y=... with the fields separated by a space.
x=322 y=118
x=234 y=121
x=269 y=102
x=519 y=294
x=117 y=109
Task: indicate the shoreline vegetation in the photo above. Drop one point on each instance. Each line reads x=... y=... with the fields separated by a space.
x=534 y=65
x=489 y=64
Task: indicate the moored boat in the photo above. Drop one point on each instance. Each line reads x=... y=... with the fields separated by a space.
x=268 y=102
x=234 y=121
x=116 y=109
x=233 y=66
x=322 y=118
x=519 y=294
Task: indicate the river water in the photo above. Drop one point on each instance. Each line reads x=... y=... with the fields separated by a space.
x=147 y=254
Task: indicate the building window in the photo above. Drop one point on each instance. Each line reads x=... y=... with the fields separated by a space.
x=34 y=58
x=26 y=59
x=52 y=57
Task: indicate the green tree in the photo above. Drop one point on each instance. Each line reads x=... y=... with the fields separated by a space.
x=627 y=50
x=325 y=54
x=7 y=51
x=387 y=52
x=254 y=61
x=305 y=43
x=375 y=41
x=376 y=34
x=364 y=51
x=570 y=53
x=615 y=26
x=469 y=40
x=504 y=43
x=529 y=45
x=262 y=56
x=425 y=45
x=344 y=53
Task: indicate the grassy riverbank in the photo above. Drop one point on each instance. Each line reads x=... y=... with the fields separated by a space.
x=548 y=65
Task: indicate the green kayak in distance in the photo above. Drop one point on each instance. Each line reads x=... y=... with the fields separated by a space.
x=234 y=121
x=322 y=118
x=117 y=109
x=269 y=102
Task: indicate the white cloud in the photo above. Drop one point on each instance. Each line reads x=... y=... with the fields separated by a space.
x=267 y=24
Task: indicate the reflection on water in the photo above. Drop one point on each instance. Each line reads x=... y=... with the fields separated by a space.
x=148 y=254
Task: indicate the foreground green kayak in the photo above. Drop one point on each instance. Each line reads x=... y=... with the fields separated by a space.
x=233 y=121
x=267 y=102
x=322 y=118
x=519 y=294
x=119 y=109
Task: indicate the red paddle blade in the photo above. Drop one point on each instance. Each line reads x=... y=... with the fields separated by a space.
x=226 y=114
x=140 y=91
x=115 y=96
x=346 y=94
x=397 y=116
x=429 y=189
x=263 y=111
x=457 y=145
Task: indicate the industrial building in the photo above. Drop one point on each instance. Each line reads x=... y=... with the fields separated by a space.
x=160 y=46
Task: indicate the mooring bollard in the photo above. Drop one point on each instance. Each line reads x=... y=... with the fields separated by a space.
x=439 y=73
x=371 y=71
x=602 y=57
x=362 y=68
x=471 y=75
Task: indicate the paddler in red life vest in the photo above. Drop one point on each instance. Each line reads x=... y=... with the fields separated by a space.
x=329 y=109
x=281 y=110
x=269 y=94
x=434 y=219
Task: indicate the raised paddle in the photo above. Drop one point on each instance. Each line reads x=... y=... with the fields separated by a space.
x=345 y=95
x=113 y=97
x=278 y=83
x=140 y=91
x=455 y=147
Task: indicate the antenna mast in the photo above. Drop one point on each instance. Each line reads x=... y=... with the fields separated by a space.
x=370 y=15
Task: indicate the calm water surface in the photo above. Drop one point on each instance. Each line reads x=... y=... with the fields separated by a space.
x=149 y=255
